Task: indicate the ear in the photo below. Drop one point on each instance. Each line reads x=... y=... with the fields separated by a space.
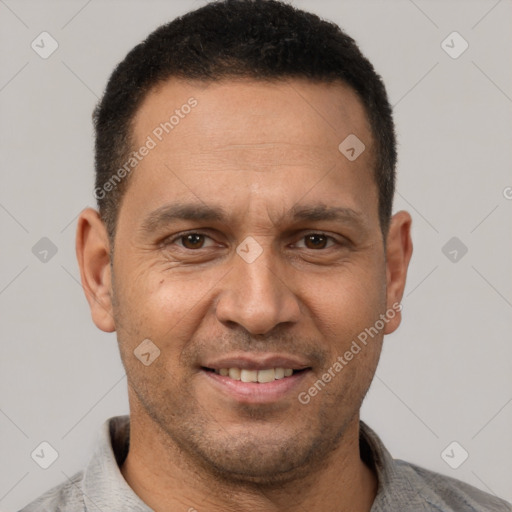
x=398 y=255
x=93 y=254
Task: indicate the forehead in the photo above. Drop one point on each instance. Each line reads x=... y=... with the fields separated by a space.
x=268 y=140
x=297 y=111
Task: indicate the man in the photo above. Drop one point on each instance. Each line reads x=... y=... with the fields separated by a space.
x=246 y=256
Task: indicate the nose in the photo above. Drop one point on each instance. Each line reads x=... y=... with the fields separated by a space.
x=255 y=296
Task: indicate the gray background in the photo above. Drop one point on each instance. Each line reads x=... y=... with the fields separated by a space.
x=444 y=376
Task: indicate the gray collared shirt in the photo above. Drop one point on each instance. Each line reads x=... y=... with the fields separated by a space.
x=100 y=487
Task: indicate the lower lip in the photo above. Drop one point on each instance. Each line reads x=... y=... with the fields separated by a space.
x=255 y=392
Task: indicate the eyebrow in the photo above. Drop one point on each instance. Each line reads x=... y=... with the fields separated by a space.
x=201 y=212
x=181 y=211
x=325 y=212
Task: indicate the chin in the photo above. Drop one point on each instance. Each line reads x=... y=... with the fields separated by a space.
x=261 y=460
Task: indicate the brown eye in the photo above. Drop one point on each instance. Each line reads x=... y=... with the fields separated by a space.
x=316 y=241
x=193 y=241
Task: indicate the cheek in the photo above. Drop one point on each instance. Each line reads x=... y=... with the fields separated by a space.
x=163 y=307
x=154 y=308
x=347 y=301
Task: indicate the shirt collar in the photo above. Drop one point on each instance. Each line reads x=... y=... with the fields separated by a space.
x=400 y=487
x=103 y=485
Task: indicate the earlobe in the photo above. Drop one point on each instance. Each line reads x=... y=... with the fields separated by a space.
x=398 y=256
x=93 y=254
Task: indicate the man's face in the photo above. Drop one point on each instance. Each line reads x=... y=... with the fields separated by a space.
x=286 y=274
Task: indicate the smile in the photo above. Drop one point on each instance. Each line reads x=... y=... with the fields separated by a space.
x=246 y=385
x=261 y=376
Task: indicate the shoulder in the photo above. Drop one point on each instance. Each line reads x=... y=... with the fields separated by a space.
x=448 y=494
x=66 y=497
x=407 y=486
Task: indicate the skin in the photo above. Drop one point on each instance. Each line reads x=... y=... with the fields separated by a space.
x=256 y=149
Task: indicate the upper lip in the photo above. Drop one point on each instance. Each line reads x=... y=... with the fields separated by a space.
x=257 y=362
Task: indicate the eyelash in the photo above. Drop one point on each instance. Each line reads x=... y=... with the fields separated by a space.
x=172 y=240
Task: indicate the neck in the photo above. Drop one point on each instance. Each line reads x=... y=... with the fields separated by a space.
x=165 y=478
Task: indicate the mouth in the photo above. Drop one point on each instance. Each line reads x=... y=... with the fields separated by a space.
x=261 y=376
x=256 y=385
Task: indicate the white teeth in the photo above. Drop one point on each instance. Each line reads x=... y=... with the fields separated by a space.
x=262 y=376
x=266 y=375
x=249 y=375
x=234 y=373
x=279 y=373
